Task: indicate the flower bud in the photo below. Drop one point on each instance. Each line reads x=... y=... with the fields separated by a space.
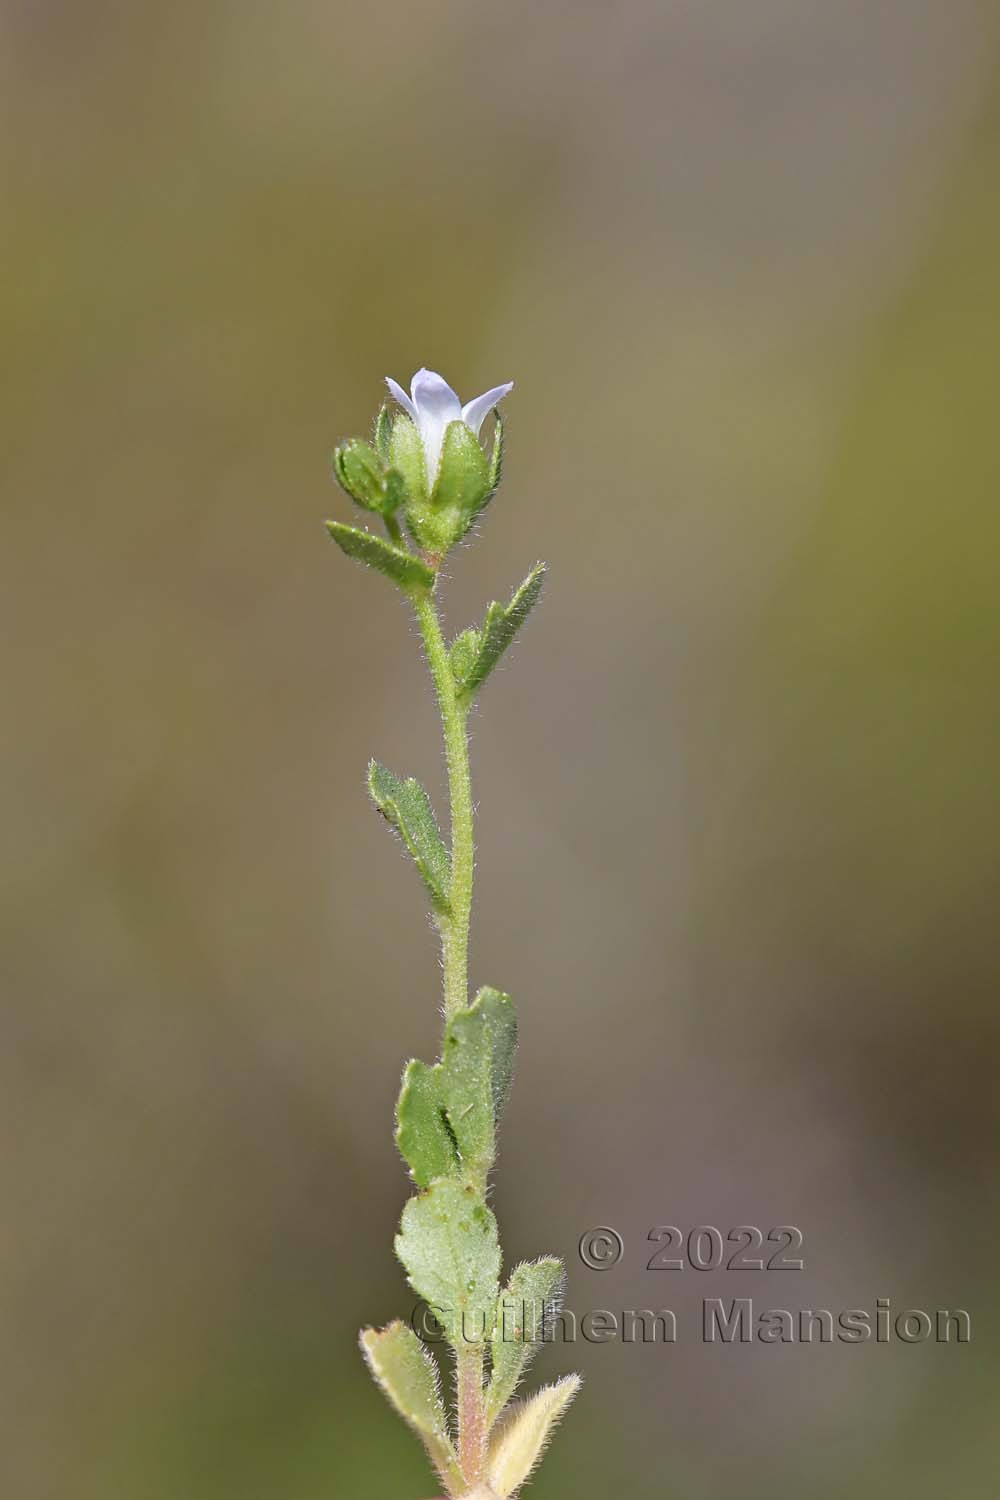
x=360 y=471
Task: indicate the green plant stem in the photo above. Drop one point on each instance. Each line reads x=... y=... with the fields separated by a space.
x=455 y=926
x=455 y=951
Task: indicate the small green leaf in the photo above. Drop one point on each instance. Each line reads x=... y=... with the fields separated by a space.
x=422 y=1136
x=475 y=1071
x=448 y=1245
x=520 y=1438
x=407 y=1374
x=403 y=568
x=530 y=1295
x=464 y=649
x=498 y=630
x=407 y=807
x=492 y=1012
x=447 y=1115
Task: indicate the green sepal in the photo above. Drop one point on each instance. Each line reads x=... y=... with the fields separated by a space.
x=395 y=491
x=529 y=1297
x=497 y=455
x=382 y=433
x=422 y=1135
x=475 y=653
x=448 y=1245
x=461 y=489
x=405 y=570
x=463 y=480
x=406 y=453
x=406 y=1372
x=407 y=807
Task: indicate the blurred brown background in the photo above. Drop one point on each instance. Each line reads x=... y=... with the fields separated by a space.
x=738 y=829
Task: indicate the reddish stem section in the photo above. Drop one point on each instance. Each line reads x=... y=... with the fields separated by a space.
x=471 y=1414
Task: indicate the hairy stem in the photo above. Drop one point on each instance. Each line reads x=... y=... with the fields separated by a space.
x=455 y=952
x=471 y=1414
x=455 y=926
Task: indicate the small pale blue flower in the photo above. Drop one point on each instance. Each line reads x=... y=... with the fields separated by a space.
x=433 y=405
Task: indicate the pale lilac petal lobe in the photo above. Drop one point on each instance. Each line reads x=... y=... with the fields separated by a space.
x=432 y=392
x=437 y=406
x=398 y=394
x=474 y=413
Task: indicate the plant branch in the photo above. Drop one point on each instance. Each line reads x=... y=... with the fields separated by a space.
x=454 y=929
x=455 y=926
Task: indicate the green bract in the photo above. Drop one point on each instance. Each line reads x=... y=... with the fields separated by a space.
x=476 y=652
x=426 y=468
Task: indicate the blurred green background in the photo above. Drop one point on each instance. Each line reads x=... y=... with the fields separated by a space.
x=738 y=824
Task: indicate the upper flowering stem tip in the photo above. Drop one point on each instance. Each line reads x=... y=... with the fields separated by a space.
x=433 y=405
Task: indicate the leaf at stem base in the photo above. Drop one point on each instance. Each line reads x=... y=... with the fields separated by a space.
x=407 y=1374
x=522 y=1434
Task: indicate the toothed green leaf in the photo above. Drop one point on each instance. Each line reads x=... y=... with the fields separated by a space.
x=447 y=1115
x=484 y=1037
x=407 y=807
x=448 y=1245
x=407 y=1374
x=498 y=630
x=530 y=1295
x=421 y=1133
x=475 y=1071
x=403 y=568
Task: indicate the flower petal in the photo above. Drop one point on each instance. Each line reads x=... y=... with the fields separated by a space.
x=474 y=413
x=436 y=405
x=398 y=394
x=432 y=390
